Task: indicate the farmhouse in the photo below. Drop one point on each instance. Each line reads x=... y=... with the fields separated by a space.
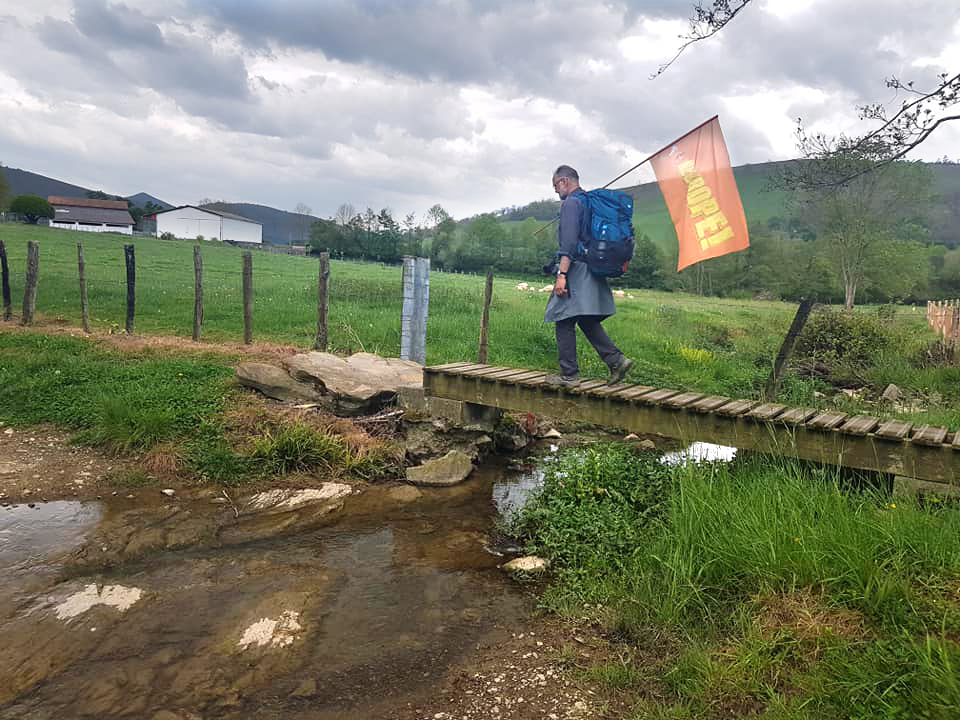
x=90 y=215
x=189 y=221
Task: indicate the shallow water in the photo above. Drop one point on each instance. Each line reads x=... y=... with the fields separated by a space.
x=351 y=619
x=34 y=538
x=699 y=452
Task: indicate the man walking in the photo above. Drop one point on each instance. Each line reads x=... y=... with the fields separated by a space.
x=579 y=297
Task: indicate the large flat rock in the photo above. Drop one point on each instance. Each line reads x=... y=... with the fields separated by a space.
x=451 y=469
x=274 y=382
x=360 y=384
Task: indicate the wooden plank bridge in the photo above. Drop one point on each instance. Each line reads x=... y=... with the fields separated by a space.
x=923 y=452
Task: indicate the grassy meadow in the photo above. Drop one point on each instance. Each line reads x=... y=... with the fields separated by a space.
x=708 y=344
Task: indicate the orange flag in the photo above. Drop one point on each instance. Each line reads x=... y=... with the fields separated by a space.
x=697 y=183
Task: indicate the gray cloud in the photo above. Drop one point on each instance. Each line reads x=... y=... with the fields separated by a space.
x=463 y=102
x=117 y=25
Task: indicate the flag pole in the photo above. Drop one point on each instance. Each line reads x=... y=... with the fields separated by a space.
x=645 y=160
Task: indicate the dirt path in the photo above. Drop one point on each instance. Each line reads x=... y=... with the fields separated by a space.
x=39 y=464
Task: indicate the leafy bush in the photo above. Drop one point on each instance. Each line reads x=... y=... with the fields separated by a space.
x=595 y=507
x=844 y=342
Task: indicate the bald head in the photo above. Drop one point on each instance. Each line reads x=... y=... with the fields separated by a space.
x=565 y=181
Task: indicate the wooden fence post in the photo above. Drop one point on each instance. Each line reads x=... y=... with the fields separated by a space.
x=30 y=287
x=197 y=292
x=786 y=349
x=416 y=303
x=248 y=298
x=323 y=290
x=131 y=263
x=5 y=281
x=485 y=318
x=82 y=274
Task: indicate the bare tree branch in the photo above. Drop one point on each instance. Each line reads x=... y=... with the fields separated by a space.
x=705 y=23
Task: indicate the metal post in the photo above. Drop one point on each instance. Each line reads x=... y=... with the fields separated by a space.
x=416 y=301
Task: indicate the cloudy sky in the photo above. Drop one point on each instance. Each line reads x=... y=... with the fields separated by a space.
x=466 y=103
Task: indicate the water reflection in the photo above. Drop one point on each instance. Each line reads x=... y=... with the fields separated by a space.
x=699 y=452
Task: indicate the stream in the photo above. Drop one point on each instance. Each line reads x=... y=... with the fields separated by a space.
x=349 y=618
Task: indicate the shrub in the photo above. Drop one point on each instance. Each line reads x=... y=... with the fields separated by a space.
x=844 y=342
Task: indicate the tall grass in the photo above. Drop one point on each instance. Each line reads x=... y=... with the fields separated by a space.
x=785 y=589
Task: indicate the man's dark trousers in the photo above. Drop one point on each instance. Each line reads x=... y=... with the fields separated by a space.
x=594 y=332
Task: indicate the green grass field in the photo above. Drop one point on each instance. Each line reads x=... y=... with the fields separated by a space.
x=689 y=342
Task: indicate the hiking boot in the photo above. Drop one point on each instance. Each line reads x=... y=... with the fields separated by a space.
x=618 y=373
x=561 y=381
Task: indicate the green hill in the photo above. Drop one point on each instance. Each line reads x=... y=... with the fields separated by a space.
x=760 y=204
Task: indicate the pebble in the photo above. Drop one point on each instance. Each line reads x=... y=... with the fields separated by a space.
x=168 y=492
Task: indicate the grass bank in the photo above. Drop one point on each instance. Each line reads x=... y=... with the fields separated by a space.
x=181 y=412
x=762 y=588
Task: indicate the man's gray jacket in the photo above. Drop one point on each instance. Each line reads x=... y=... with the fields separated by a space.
x=587 y=294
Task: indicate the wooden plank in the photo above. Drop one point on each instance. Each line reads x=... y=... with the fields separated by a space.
x=635 y=392
x=860 y=425
x=736 y=407
x=827 y=420
x=894 y=430
x=766 y=411
x=709 y=404
x=535 y=380
x=658 y=396
x=447 y=367
x=797 y=416
x=587 y=386
x=506 y=374
x=466 y=368
x=516 y=379
x=611 y=390
x=956 y=440
x=682 y=400
x=929 y=435
x=480 y=370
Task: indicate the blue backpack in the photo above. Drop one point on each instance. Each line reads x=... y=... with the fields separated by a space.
x=606 y=232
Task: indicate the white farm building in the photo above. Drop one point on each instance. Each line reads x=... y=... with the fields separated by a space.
x=90 y=215
x=190 y=222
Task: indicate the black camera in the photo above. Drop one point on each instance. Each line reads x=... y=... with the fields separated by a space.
x=552 y=267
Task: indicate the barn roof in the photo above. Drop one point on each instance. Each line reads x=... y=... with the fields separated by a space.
x=109 y=216
x=220 y=213
x=56 y=200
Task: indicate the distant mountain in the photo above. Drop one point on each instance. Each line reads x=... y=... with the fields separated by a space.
x=24 y=182
x=279 y=226
x=141 y=199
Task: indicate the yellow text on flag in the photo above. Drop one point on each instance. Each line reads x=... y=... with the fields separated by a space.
x=713 y=229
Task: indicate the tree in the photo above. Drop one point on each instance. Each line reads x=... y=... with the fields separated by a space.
x=4 y=190
x=899 y=131
x=32 y=208
x=436 y=215
x=303 y=222
x=863 y=224
x=344 y=214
